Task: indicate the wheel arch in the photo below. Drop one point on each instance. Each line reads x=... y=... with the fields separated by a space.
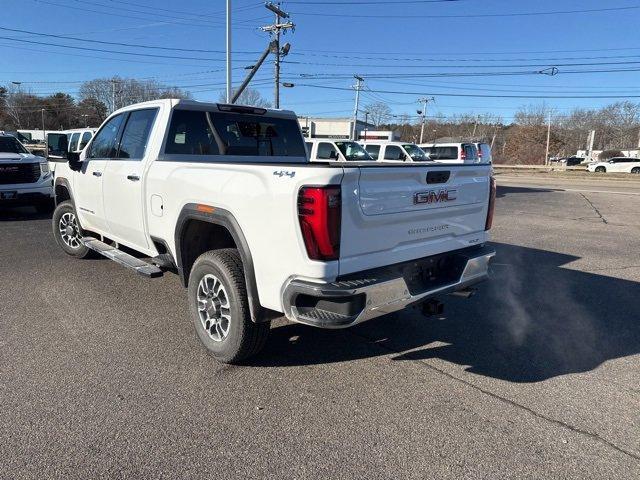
x=62 y=190
x=221 y=228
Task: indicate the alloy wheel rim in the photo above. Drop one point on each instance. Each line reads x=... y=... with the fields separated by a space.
x=69 y=231
x=214 y=308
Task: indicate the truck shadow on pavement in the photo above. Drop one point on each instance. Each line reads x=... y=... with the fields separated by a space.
x=18 y=214
x=536 y=319
x=505 y=191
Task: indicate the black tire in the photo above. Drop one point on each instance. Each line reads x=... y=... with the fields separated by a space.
x=600 y=170
x=635 y=170
x=46 y=207
x=79 y=251
x=244 y=338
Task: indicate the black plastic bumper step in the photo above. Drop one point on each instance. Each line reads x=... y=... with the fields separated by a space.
x=124 y=259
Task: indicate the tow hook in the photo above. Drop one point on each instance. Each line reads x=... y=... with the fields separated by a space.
x=432 y=307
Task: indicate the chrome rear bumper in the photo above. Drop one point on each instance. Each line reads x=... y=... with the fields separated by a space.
x=355 y=299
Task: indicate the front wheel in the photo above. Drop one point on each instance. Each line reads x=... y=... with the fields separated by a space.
x=600 y=169
x=635 y=170
x=67 y=231
x=219 y=306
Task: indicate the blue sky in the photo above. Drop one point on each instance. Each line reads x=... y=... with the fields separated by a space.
x=404 y=39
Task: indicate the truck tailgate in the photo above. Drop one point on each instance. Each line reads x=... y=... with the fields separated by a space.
x=395 y=214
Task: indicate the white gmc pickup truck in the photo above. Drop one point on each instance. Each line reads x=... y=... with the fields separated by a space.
x=225 y=196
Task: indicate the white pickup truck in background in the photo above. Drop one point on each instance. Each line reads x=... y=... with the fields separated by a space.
x=226 y=197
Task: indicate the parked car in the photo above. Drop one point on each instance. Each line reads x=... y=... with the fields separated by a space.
x=329 y=149
x=225 y=196
x=616 y=165
x=394 y=151
x=569 y=161
x=484 y=152
x=451 y=152
x=25 y=179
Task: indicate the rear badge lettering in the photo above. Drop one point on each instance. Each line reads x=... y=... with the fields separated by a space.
x=284 y=173
x=433 y=196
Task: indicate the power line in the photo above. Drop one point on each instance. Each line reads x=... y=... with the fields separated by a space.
x=154 y=47
x=119 y=52
x=472 y=15
x=441 y=94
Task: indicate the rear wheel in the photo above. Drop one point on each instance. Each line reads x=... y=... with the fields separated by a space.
x=219 y=306
x=67 y=231
x=600 y=169
x=635 y=170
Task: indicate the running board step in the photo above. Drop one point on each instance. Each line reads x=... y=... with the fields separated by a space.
x=124 y=259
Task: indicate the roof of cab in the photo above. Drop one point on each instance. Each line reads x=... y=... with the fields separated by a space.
x=197 y=105
x=384 y=142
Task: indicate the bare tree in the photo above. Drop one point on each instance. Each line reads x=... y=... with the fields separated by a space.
x=119 y=92
x=378 y=113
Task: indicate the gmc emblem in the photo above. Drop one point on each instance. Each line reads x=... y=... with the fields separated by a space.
x=435 y=197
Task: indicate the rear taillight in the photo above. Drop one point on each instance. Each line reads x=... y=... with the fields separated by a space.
x=320 y=212
x=492 y=203
x=463 y=154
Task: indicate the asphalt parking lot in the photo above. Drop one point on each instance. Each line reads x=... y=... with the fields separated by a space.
x=537 y=376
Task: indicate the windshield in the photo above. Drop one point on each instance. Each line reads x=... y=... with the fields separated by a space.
x=353 y=151
x=415 y=152
x=11 y=145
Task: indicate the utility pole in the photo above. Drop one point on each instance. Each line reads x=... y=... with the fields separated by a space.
x=275 y=29
x=366 y=124
x=546 y=156
x=44 y=134
x=229 y=87
x=357 y=86
x=424 y=100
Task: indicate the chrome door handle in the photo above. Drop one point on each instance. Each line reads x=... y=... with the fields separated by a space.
x=133 y=178
x=97 y=174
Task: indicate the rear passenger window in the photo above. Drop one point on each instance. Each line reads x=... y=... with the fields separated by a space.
x=393 y=152
x=326 y=151
x=373 y=150
x=136 y=134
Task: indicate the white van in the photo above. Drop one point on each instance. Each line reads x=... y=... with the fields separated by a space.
x=333 y=149
x=394 y=151
x=462 y=152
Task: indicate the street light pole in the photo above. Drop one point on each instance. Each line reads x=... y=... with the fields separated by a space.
x=357 y=86
x=229 y=87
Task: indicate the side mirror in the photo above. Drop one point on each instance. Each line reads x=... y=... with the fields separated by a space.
x=611 y=161
x=333 y=155
x=402 y=156
x=74 y=161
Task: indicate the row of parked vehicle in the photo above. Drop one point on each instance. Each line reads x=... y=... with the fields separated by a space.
x=328 y=149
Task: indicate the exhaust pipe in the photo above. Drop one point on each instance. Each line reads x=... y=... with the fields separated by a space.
x=432 y=307
x=466 y=293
